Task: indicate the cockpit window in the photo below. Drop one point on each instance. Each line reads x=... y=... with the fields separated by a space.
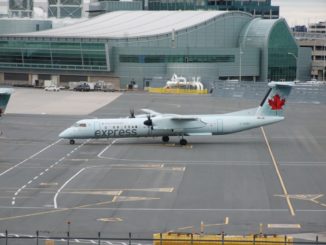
x=80 y=125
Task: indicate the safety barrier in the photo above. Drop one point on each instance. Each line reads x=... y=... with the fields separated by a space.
x=176 y=91
x=205 y=239
x=62 y=238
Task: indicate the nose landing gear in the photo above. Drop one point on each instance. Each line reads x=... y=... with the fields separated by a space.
x=72 y=142
x=183 y=141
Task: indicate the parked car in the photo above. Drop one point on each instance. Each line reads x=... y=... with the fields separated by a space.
x=109 y=88
x=97 y=87
x=52 y=88
x=83 y=87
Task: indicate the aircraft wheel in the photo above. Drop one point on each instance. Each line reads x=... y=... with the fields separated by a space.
x=165 y=139
x=183 y=142
x=72 y=142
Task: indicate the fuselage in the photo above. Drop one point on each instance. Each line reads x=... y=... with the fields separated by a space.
x=155 y=124
x=163 y=126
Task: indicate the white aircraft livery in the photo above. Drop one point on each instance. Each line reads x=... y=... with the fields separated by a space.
x=5 y=94
x=154 y=124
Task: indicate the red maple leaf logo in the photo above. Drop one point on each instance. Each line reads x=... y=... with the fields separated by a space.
x=276 y=103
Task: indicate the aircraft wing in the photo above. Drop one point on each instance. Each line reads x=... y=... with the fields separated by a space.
x=181 y=118
x=151 y=112
x=178 y=122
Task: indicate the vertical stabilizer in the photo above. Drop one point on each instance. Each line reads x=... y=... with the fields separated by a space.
x=275 y=100
x=5 y=94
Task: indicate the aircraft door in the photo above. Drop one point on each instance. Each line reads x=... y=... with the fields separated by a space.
x=97 y=128
x=219 y=126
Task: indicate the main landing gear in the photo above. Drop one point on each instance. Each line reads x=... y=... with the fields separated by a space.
x=72 y=142
x=165 y=139
x=183 y=141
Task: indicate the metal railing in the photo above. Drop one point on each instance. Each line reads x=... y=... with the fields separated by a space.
x=7 y=238
x=302 y=93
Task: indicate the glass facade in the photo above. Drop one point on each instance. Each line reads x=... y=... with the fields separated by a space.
x=282 y=54
x=176 y=58
x=257 y=8
x=53 y=55
x=65 y=8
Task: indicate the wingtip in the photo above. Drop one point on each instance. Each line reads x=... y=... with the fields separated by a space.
x=273 y=84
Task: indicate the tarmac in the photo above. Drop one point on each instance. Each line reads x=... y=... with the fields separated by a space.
x=271 y=177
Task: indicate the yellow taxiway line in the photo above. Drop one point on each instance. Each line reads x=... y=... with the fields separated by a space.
x=288 y=200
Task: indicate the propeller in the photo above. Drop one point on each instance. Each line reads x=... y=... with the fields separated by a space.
x=132 y=113
x=149 y=123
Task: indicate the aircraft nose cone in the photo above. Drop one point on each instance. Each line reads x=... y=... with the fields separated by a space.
x=64 y=134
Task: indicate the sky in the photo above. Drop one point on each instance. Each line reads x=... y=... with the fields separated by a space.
x=301 y=12
x=296 y=12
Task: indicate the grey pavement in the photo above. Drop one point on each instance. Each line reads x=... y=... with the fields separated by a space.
x=142 y=186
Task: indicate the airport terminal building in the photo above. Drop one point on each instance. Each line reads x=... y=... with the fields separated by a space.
x=146 y=46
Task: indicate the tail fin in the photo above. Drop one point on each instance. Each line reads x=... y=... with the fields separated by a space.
x=5 y=94
x=275 y=100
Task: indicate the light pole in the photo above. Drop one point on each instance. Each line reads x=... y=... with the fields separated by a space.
x=296 y=63
x=240 y=66
x=324 y=68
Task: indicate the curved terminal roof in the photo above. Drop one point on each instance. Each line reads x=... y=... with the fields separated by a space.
x=131 y=24
x=256 y=32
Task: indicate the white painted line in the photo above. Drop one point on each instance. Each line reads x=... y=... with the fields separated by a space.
x=226 y=220
x=32 y=156
x=46 y=170
x=63 y=186
x=51 y=166
x=105 y=149
x=278 y=172
x=24 y=186
x=29 y=182
x=36 y=177
x=13 y=203
x=284 y=226
x=41 y=173
x=16 y=193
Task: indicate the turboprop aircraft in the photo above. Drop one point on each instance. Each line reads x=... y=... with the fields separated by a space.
x=5 y=94
x=155 y=124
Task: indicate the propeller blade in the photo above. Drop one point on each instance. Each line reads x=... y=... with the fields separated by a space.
x=132 y=113
x=149 y=121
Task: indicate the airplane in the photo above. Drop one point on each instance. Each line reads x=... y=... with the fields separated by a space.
x=5 y=94
x=155 y=124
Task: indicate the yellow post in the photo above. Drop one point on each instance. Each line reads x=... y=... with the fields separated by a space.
x=49 y=242
x=201 y=228
x=261 y=228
